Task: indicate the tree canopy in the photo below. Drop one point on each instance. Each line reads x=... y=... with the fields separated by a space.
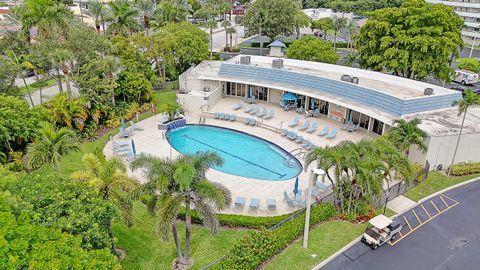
x=414 y=40
x=470 y=64
x=356 y=6
x=312 y=49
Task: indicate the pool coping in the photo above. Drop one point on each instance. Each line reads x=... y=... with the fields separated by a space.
x=245 y=133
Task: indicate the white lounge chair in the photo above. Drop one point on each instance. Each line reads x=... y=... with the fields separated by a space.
x=134 y=126
x=254 y=203
x=313 y=127
x=238 y=106
x=240 y=202
x=294 y=122
x=270 y=114
x=305 y=125
x=324 y=131
x=332 y=134
x=271 y=204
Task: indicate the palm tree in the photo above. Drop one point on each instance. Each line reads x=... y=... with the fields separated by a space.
x=146 y=8
x=352 y=30
x=21 y=64
x=171 y=11
x=171 y=109
x=123 y=19
x=230 y=32
x=50 y=145
x=110 y=179
x=338 y=24
x=97 y=11
x=470 y=99
x=67 y=110
x=59 y=58
x=226 y=24
x=404 y=134
x=211 y=24
x=181 y=182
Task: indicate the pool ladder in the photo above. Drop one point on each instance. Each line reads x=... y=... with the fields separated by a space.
x=289 y=160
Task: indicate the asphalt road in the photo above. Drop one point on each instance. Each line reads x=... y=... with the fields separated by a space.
x=450 y=240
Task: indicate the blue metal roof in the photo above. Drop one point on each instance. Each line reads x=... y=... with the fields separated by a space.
x=378 y=100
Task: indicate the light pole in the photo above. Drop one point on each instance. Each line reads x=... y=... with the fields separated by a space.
x=312 y=176
x=473 y=44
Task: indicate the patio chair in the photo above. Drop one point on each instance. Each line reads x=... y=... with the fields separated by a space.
x=121 y=143
x=270 y=114
x=240 y=202
x=134 y=126
x=313 y=128
x=222 y=115
x=246 y=120
x=324 y=131
x=305 y=125
x=290 y=202
x=255 y=110
x=284 y=131
x=252 y=122
x=294 y=121
x=332 y=134
x=124 y=133
x=232 y=117
x=262 y=113
x=254 y=203
x=299 y=110
x=299 y=139
x=271 y=204
x=216 y=115
x=292 y=135
x=238 y=106
x=306 y=143
x=226 y=116
x=249 y=109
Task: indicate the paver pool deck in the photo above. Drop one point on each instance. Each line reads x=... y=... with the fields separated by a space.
x=151 y=141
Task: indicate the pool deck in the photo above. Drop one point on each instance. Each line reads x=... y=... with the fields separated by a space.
x=150 y=140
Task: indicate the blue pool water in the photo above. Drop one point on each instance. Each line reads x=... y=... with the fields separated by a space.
x=243 y=155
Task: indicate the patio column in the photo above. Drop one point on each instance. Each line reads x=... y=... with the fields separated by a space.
x=268 y=95
x=307 y=103
x=370 y=124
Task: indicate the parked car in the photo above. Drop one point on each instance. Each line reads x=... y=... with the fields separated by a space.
x=465 y=77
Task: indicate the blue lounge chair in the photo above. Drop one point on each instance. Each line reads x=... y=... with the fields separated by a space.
x=232 y=117
x=294 y=122
x=226 y=116
x=332 y=134
x=216 y=115
x=271 y=204
x=249 y=109
x=305 y=125
x=306 y=143
x=284 y=131
x=222 y=115
x=313 y=128
x=252 y=122
x=299 y=139
x=238 y=106
x=134 y=126
x=255 y=110
x=292 y=135
x=240 y=202
x=270 y=114
x=262 y=113
x=324 y=131
x=246 y=120
x=254 y=203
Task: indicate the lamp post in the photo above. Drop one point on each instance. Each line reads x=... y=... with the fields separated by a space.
x=312 y=176
x=473 y=44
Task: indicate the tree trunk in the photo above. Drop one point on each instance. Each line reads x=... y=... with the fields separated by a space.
x=231 y=43
x=226 y=38
x=112 y=239
x=103 y=23
x=211 y=43
x=458 y=142
x=81 y=10
x=188 y=223
x=37 y=79
x=175 y=239
x=28 y=90
x=335 y=41
x=67 y=81
x=60 y=87
x=261 y=40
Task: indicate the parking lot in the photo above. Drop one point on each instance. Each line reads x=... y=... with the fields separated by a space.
x=441 y=233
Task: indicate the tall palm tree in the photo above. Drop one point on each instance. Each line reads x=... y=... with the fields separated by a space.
x=171 y=11
x=50 y=145
x=60 y=57
x=226 y=24
x=97 y=10
x=123 y=21
x=470 y=99
x=181 y=182
x=404 y=134
x=21 y=65
x=110 y=179
x=338 y=24
x=230 y=32
x=211 y=24
x=146 y=8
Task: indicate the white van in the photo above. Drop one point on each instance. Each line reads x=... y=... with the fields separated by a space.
x=465 y=77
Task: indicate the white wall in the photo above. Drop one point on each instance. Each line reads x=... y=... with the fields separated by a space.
x=191 y=103
x=275 y=96
x=441 y=149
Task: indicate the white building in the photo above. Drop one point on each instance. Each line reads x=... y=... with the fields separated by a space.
x=469 y=10
x=340 y=94
x=320 y=13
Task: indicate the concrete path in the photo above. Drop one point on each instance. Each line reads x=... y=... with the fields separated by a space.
x=49 y=92
x=400 y=204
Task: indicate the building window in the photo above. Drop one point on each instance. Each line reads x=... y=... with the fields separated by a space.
x=377 y=127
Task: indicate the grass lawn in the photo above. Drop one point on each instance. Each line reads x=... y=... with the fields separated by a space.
x=324 y=240
x=146 y=249
x=435 y=181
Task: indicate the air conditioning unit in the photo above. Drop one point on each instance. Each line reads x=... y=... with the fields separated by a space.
x=277 y=63
x=345 y=78
x=354 y=80
x=428 y=91
x=245 y=60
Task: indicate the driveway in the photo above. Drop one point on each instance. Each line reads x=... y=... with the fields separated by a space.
x=444 y=234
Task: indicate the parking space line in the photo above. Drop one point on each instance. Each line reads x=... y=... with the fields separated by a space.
x=435 y=207
x=407 y=223
x=449 y=198
x=444 y=201
x=415 y=213
x=426 y=210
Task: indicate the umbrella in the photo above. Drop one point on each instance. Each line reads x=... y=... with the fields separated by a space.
x=295 y=188
x=133 y=148
x=289 y=96
x=122 y=124
x=312 y=103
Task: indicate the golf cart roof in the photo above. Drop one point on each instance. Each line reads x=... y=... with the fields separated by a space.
x=380 y=221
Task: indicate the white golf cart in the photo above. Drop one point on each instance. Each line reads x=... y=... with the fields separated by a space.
x=380 y=230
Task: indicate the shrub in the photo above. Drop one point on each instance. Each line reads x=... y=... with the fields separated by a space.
x=465 y=168
x=257 y=246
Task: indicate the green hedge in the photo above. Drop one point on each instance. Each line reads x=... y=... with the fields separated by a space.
x=258 y=246
x=240 y=221
x=341 y=45
x=465 y=168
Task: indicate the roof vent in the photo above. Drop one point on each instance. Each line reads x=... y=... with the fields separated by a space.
x=428 y=91
x=354 y=80
x=277 y=63
x=346 y=78
x=245 y=60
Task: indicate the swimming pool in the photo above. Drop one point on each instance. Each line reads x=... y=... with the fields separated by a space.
x=243 y=154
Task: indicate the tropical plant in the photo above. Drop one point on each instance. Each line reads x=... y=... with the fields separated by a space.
x=123 y=21
x=171 y=110
x=60 y=58
x=230 y=31
x=67 y=110
x=146 y=8
x=226 y=25
x=338 y=24
x=404 y=134
x=471 y=64
x=470 y=99
x=173 y=184
x=21 y=64
x=171 y=11
x=110 y=179
x=98 y=11
x=50 y=145
x=312 y=49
